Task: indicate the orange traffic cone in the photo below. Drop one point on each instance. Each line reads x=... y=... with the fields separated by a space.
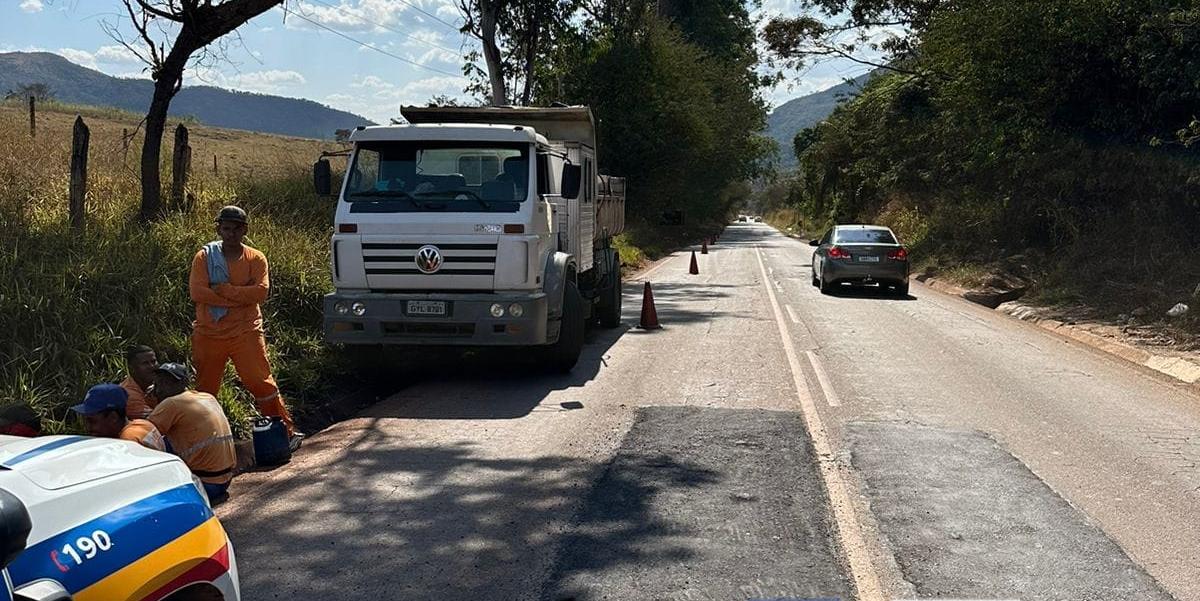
x=694 y=269
x=649 y=319
x=704 y=246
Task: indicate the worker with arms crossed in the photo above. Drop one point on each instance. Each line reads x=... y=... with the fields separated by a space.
x=228 y=282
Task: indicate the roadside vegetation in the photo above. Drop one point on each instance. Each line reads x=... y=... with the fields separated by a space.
x=1053 y=142
x=71 y=303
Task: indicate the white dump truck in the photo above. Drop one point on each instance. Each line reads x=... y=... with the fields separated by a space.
x=487 y=226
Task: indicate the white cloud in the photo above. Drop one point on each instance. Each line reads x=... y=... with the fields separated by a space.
x=31 y=6
x=270 y=81
x=79 y=57
x=439 y=55
x=373 y=82
x=349 y=16
x=116 y=54
x=379 y=99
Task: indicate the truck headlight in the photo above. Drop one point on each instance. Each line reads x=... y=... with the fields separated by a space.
x=516 y=310
x=497 y=310
x=341 y=307
x=358 y=309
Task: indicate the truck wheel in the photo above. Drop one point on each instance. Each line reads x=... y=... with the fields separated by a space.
x=610 y=308
x=561 y=356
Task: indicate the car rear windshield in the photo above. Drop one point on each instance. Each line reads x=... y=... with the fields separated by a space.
x=865 y=236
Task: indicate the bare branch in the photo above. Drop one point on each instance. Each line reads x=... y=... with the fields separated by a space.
x=148 y=8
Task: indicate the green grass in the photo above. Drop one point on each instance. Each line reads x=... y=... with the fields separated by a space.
x=72 y=301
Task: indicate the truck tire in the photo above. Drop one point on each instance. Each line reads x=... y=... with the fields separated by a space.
x=610 y=306
x=561 y=356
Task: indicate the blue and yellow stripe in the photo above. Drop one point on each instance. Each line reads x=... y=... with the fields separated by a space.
x=154 y=541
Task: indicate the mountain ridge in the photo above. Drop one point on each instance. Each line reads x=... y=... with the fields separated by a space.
x=73 y=83
x=789 y=118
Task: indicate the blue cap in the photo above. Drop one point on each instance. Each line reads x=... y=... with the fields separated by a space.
x=102 y=397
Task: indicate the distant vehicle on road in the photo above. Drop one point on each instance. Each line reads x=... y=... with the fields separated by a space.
x=94 y=518
x=865 y=255
x=758 y=219
x=742 y=219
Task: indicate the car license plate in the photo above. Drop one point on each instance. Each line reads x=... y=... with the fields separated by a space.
x=415 y=307
x=865 y=259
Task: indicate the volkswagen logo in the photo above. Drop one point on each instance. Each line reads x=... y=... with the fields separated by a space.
x=429 y=259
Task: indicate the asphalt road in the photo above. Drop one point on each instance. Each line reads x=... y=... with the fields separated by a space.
x=768 y=443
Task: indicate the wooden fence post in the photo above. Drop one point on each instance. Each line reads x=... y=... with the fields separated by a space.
x=214 y=164
x=79 y=158
x=181 y=164
x=32 y=118
x=125 y=141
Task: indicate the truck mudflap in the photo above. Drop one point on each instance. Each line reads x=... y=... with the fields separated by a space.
x=436 y=319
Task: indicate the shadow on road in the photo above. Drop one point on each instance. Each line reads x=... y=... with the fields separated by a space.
x=867 y=292
x=391 y=521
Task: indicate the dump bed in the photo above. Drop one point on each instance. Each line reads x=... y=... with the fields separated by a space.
x=610 y=206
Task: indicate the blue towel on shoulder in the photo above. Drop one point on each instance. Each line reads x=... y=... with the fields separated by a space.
x=218 y=273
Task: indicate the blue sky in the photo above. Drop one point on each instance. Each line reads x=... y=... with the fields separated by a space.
x=287 y=55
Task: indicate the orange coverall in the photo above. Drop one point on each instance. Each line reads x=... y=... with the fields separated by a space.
x=238 y=336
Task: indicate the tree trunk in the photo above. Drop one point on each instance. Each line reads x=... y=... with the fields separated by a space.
x=165 y=87
x=534 y=28
x=491 y=52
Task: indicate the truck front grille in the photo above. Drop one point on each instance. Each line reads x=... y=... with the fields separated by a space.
x=386 y=258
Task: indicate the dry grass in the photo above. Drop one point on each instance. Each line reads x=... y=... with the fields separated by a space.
x=69 y=303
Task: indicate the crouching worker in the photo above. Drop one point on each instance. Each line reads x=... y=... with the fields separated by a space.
x=196 y=428
x=20 y=420
x=103 y=411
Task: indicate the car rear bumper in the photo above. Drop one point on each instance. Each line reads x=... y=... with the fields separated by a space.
x=885 y=272
x=468 y=322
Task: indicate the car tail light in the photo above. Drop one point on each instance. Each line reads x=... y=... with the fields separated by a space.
x=837 y=252
x=348 y=228
x=898 y=255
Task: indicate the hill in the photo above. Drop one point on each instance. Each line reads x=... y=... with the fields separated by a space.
x=72 y=83
x=806 y=111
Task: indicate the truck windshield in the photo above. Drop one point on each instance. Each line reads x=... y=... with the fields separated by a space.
x=393 y=177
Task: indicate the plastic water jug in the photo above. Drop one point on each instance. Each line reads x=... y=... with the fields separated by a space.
x=271 y=442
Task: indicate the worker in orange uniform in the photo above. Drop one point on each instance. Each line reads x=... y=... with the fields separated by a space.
x=103 y=410
x=195 y=426
x=229 y=280
x=140 y=362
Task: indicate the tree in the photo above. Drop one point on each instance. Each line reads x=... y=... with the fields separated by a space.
x=482 y=17
x=522 y=37
x=196 y=24
x=39 y=91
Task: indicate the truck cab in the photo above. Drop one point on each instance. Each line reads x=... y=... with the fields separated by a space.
x=476 y=227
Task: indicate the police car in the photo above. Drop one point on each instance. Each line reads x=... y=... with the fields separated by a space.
x=108 y=520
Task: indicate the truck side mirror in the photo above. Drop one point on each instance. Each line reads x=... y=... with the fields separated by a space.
x=14 y=527
x=572 y=176
x=322 y=178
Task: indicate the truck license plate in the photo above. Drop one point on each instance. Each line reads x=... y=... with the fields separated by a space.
x=415 y=307
x=868 y=259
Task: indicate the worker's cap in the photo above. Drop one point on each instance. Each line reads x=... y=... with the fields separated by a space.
x=175 y=370
x=102 y=397
x=232 y=213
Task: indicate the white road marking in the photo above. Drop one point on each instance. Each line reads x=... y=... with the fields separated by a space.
x=823 y=379
x=850 y=532
x=792 y=314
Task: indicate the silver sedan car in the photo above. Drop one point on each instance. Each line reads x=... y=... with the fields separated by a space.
x=860 y=254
